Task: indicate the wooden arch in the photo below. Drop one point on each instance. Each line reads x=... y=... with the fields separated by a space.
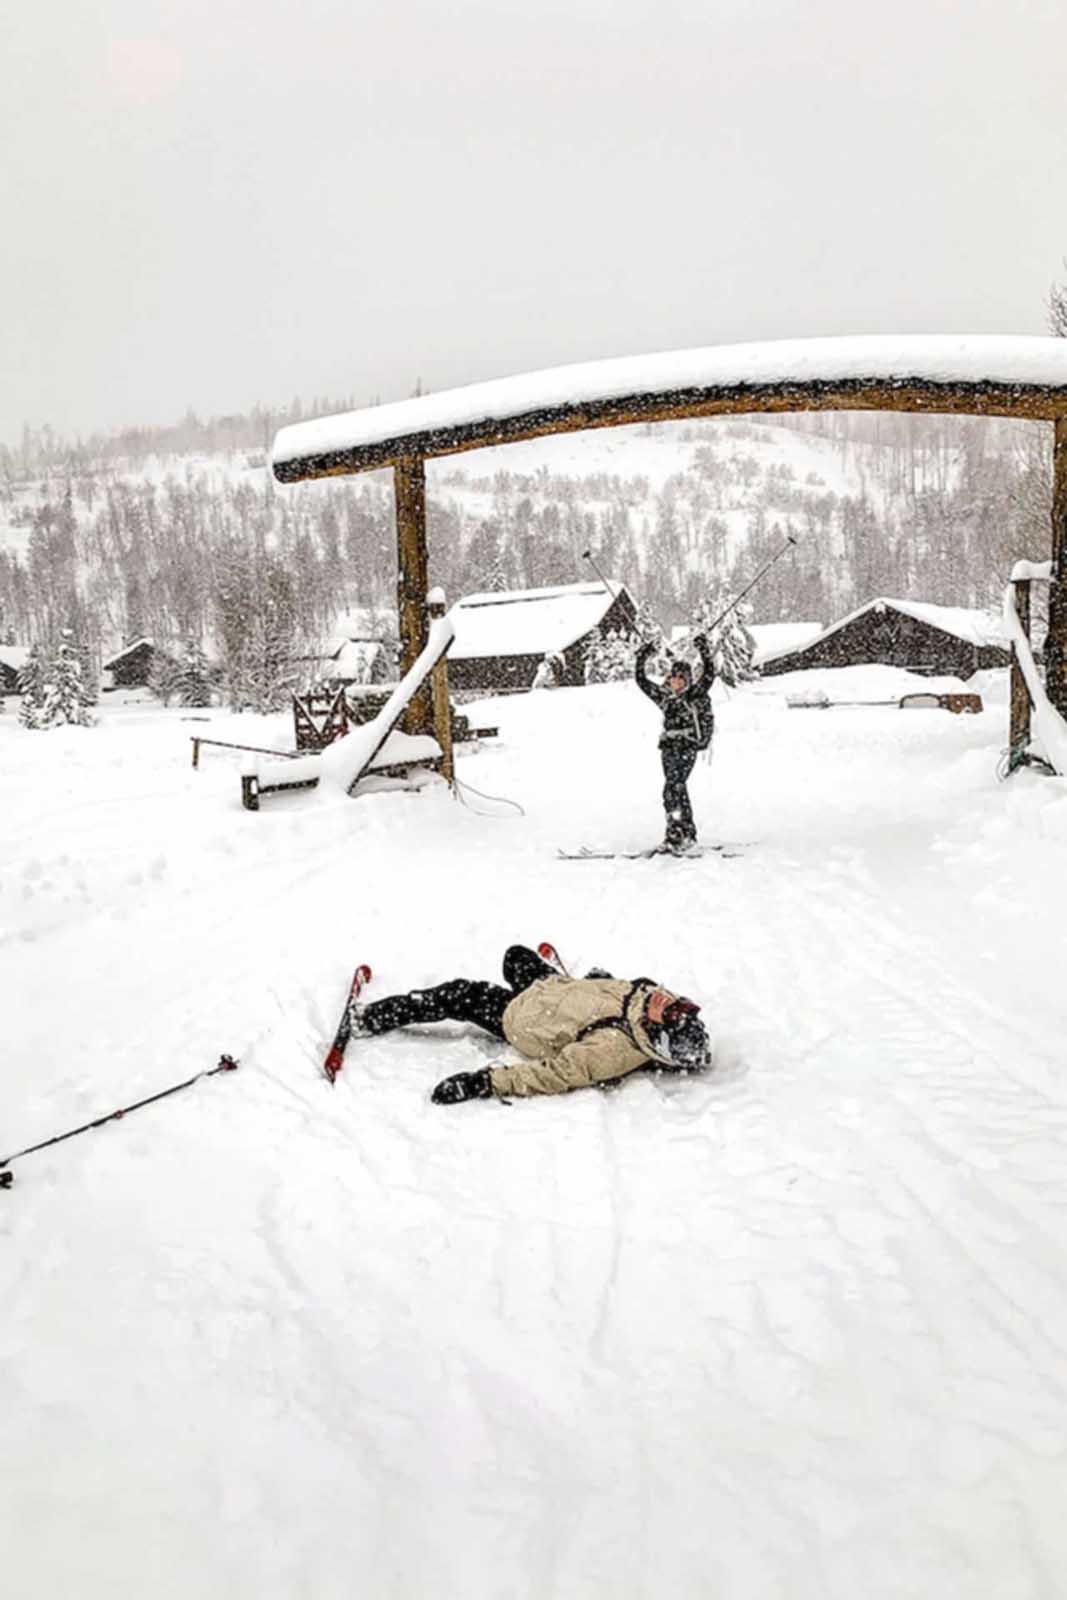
x=974 y=376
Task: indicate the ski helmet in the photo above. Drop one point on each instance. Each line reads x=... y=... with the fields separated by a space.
x=685 y=1036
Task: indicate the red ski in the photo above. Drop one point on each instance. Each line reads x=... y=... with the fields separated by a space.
x=336 y=1058
x=549 y=953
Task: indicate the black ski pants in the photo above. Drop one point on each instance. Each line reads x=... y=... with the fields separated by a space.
x=460 y=1000
x=679 y=759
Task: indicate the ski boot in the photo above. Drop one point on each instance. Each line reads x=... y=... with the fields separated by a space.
x=679 y=840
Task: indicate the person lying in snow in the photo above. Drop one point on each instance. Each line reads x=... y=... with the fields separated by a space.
x=688 y=725
x=574 y=1032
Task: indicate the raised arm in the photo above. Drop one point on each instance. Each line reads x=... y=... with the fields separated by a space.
x=707 y=662
x=644 y=682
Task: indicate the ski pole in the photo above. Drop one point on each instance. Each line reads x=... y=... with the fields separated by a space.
x=226 y=1064
x=790 y=539
x=587 y=555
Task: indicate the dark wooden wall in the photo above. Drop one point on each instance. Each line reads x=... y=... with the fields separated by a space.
x=892 y=638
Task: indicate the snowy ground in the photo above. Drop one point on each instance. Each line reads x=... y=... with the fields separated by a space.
x=794 y=1329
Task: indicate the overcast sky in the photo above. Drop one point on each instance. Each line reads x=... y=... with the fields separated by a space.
x=210 y=203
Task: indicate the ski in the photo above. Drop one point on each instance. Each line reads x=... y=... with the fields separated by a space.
x=693 y=853
x=549 y=953
x=335 y=1059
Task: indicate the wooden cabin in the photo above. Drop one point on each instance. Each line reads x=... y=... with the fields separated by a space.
x=13 y=657
x=935 y=641
x=132 y=666
x=502 y=639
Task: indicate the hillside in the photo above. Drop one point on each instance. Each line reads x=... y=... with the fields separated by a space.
x=147 y=543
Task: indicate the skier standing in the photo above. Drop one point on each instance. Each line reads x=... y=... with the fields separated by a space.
x=574 y=1032
x=688 y=724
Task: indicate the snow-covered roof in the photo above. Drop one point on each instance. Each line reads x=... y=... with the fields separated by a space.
x=127 y=650
x=356 y=656
x=974 y=627
x=984 y=373
x=528 y=622
x=14 y=656
x=781 y=638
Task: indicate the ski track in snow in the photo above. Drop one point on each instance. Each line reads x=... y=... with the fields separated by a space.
x=789 y=1328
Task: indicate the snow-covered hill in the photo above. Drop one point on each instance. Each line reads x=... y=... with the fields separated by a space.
x=787 y=1329
x=658 y=451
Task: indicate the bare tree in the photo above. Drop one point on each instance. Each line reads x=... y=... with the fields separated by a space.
x=1057 y=308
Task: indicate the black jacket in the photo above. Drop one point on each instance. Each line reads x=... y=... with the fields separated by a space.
x=687 y=717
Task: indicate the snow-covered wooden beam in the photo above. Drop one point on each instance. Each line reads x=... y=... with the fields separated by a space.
x=976 y=375
x=991 y=375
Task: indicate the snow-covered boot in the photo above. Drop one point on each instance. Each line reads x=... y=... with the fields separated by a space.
x=677 y=837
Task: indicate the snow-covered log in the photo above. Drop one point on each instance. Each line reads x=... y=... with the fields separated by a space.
x=983 y=375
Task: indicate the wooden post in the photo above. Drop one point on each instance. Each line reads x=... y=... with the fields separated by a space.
x=1056 y=641
x=442 y=709
x=409 y=490
x=196 y=751
x=1019 y=734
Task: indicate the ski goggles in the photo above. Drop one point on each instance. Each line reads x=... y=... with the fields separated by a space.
x=678 y=1011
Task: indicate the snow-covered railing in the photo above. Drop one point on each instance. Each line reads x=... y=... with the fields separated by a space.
x=1027 y=690
x=369 y=747
x=345 y=761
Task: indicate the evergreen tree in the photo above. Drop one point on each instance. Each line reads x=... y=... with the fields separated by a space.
x=67 y=697
x=31 y=688
x=164 y=677
x=647 y=627
x=732 y=646
x=497 y=580
x=193 y=676
x=610 y=657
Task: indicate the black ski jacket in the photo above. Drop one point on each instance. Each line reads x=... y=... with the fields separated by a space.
x=687 y=717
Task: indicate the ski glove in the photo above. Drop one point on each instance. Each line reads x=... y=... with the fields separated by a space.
x=463 y=1086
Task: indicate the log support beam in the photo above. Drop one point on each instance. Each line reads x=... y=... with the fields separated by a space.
x=442 y=705
x=1019 y=735
x=409 y=489
x=1056 y=641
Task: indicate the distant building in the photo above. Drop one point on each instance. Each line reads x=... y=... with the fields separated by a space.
x=13 y=657
x=132 y=666
x=502 y=639
x=362 y=661
x=927 y=639
x=355 y=653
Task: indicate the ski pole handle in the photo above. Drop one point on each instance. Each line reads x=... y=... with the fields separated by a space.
x=587 y=555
